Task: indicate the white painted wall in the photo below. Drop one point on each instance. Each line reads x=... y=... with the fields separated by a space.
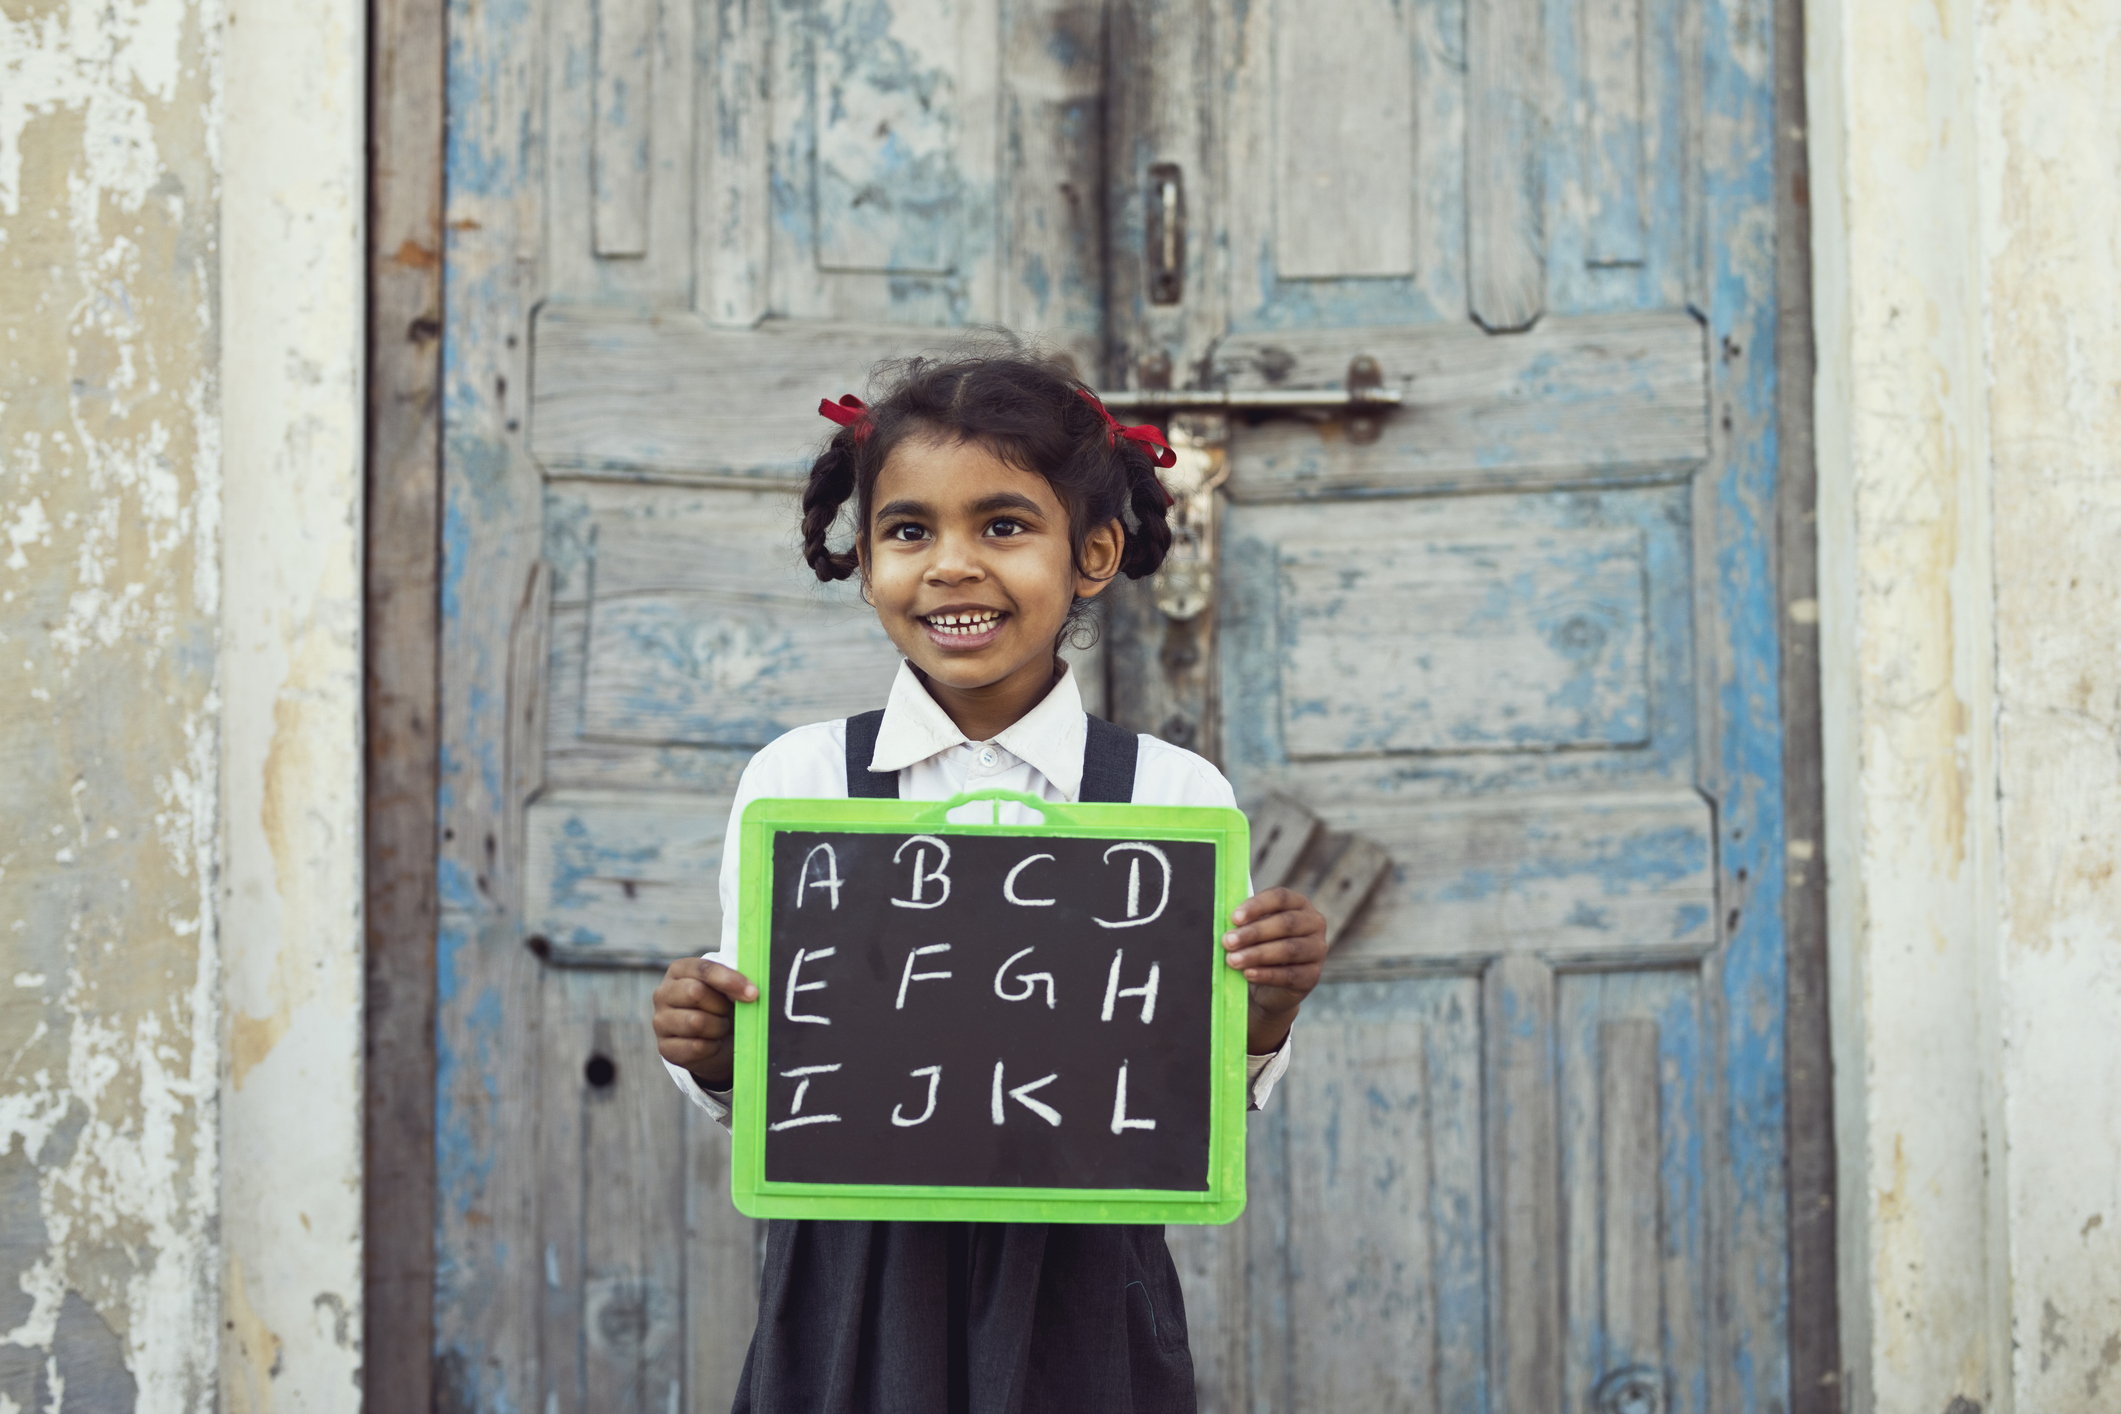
x=181 y=326
x=293 y=325
x=1965 y=164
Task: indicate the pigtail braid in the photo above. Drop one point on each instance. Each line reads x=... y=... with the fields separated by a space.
x=831 y=484
x=1149 y=526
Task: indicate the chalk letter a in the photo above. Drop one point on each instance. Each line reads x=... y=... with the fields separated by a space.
x=831 y=880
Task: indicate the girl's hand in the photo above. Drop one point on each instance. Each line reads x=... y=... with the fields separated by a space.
x=695 y=1007
x=1279 y=942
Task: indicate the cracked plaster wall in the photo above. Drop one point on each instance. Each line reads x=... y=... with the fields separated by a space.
x=1966 y=188
x=179 y=578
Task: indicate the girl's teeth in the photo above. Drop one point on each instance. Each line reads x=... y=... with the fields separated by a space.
x=964 y=624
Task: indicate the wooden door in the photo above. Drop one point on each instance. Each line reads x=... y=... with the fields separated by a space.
x=1518 y=638
x=675 y=227
x=1519 y=633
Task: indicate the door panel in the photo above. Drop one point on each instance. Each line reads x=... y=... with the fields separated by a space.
x=1514 y=633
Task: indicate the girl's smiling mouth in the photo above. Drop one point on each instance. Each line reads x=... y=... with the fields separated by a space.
x=964 y=627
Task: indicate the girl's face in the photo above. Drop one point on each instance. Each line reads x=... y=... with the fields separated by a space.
x=969 y=565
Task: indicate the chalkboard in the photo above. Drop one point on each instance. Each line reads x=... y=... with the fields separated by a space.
x=994 y=1023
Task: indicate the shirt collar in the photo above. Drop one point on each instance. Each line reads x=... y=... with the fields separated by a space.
x=1049 y=737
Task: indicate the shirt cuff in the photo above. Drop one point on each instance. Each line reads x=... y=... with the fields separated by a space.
x=714 y=1103
x=1263 y=1072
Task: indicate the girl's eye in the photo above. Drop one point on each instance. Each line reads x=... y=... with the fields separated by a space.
x=1005 y=527
x=906 y=530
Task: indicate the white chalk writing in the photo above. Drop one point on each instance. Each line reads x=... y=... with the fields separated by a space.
x=1029 y=979
x=922 y=875
x=795 y=970
x=796 y=1118
x=1134 y=918
x=909 y=976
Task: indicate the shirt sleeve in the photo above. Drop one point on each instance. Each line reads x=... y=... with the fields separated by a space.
x=1171 y=775
x=810 y=761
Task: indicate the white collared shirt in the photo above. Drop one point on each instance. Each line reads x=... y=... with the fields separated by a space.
x=1040 y=754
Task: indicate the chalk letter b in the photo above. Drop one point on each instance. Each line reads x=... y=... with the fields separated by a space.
x=922 y=874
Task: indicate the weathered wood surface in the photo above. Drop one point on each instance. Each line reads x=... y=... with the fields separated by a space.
x=401 y=707
x=1555 y=753
x=1814 y=1321
x=618 y=164
x=1580 y=398
x=1505 y=138
x=1345 y=158
x=623 y=96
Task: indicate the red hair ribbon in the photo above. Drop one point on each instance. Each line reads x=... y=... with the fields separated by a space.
x=849 y=411
x=1148 y=437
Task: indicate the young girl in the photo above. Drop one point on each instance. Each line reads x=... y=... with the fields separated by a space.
x=995 y=499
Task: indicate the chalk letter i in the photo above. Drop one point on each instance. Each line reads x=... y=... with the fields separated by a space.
x=796 y=1118
x=1120 y=1123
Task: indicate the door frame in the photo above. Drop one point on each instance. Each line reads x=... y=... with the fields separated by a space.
x=407 y=57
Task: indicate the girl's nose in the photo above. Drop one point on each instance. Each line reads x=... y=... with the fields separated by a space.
x=955 y=561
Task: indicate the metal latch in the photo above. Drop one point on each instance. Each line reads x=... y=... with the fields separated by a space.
x=1363 y=397
x=1185 y=585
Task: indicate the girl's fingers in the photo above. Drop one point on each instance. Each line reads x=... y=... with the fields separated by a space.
x=707 y=986
x=1296 y=923
x=1297 y=981
x=683 y=1022
x=1309 y=949
x=1277 y=900
x=683 y=1053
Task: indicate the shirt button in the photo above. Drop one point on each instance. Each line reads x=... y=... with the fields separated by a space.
x=986 y=756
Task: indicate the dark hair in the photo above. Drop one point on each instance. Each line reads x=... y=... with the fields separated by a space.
x=1024 y=410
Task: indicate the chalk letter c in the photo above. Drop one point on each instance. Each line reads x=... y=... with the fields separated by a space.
x=1009 y=884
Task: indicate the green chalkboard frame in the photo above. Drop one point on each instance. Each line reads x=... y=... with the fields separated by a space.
x=1223 y=1198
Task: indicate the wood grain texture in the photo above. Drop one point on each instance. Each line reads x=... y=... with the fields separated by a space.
x=618 y=163
x=1583 y=398
x=567 y=1035
x=622 y=125
x=884 y=164
x=1505 y=193
x=1467 y=643
x=1524 y=1229
x=628 y=870
x=723 y=1253
x=729 y=649
x=732 y=234
x=1626 y=878
x=1372 y=1204
x=1630 y=1183
x=485 y=1336
x=1345 y=169
x=633 y=1206
x=627 y=396
x=400 y=643
x=1053 y=133
x=1816 y=1376
x=1613 y=138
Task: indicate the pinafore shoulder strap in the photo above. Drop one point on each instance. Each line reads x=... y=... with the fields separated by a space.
x=1109 y=757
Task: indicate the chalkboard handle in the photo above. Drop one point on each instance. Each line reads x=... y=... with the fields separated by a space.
x=1049 y=813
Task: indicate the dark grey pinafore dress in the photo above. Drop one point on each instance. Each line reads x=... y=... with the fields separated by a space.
x=970 y=1318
